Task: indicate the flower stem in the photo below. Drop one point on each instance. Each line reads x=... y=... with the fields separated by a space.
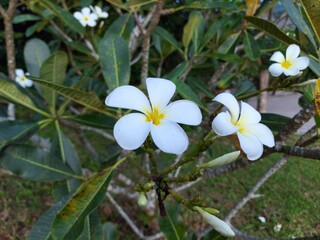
x=146 y=147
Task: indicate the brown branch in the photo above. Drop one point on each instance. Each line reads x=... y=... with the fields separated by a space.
x=312 y=153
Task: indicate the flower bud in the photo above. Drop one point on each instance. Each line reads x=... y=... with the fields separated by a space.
x=148 y=186
x=212 y=210
x=220 y=226
x=142 y=201
x=220 y=161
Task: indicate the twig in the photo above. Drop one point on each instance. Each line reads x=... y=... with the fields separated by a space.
x=87 y=144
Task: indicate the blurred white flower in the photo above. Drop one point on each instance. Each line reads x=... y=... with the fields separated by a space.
x=277 y=228
x=86 y=17
x=220 y=226
x=291 y=65
x=252 y=135
x=159 y=118
x=22 y=79
x=98 y=11
x=262 y=219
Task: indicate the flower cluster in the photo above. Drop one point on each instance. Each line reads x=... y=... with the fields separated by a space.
x=88 y=18
x=22 y=80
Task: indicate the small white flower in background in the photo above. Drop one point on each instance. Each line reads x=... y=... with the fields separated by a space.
x=252 y=135
x=277 y=228
x=22 y=79
x=220 y=226
x=291 y=65
x=86 y=17
x=262 y=219
x=98 y=11
x=159 y=118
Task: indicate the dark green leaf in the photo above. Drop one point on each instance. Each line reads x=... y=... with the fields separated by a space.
x=192 y=30
x=35 y=53
x=228 y=43
x=122 y=27
x=209 y=4
x=35 y=164
x=139 y=3
x=109 y=231
x=169 y=38
x=251 y=46
x=212 y=31
x=315 y=66
x=21 y=18
x=80 y=47
x=115 y=60
x=274 y=121
x=70 y=221
x=95 y=120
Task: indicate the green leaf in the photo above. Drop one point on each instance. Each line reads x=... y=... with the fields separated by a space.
x=139 y=3
x=169 y=38
x=21 y=18
x=201 y=86
x=209 y=4
x=9 y=90
x=119 y=3
x=109 y=231
x=311 y=8
x=80 y=47
x=192 y=30
x=274 y=121
x=251 y=46
x=228 y=43
x=94 y=120
x=35 y=53
x=212 y=31
x=315 y=66
x=89 y=100
x=115 y=60
x=64 y=15
x=53 y=70
x=70 y=221
x=15 y=130
x=297 y=19
x=172 y=224
x=122 y=27
x=35 y=164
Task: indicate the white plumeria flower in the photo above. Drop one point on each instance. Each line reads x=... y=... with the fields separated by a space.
x=22 y=79
x=86 y=17
x=159 y=118
x=251 y=134
x=291 y=65
x=98 y=11
x=220 y=226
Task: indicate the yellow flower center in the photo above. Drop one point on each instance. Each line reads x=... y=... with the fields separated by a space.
x=22 y=78
x=86 y=19
x=286 y=64
x=155 y=116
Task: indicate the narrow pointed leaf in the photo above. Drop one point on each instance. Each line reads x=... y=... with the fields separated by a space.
x=9 y=90
x=70 y=220
x=169 y=38
x=275 y=122
x=53 y=70
x=122 y=27
x=35 y=164
x=191 y=28
x=35 y=53
x=95 y=120
x=251 y=47
x=311 y=8
x=252 y=6
x=228 y=43
x=139 y=3
x=115 y=60
x=89 y=100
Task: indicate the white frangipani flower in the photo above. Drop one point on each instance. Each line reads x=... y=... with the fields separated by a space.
x=220 y=226
x=159 y=118
x=98 y=11
x=86 y=17
x=252 y=135
x=22 y=79
x=291 y=65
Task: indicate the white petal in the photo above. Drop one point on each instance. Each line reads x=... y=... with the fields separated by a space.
x=301 y=63
x=160 y=92
x=222 y=124
x=92 y=23
x=78 y=15
x=19 y=72
x=250 y=145
x=104 y=15
x=131 y=131
x=28 y=83
x=248 y=115
x=93 y=16
x=85 y=11
x=220 y=226
x=170 y=137
x=228 y=100
x=291 y=71
x=128 y=97
x=277 y=57
x=97 y=9
x=292 y=52
x=276 y=69
x=83 y=23
x=263 y=133
x=184 y=111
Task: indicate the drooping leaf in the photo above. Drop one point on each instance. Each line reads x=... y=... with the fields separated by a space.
x=172 y=224
x=297 y=19
x=80 y=47
x=212 y=31
x=228 y=43
x=70 y=221
x=115 y=60
x=273 y=30
x=119 y=3
x=64 y=15
x=35 y=164
x=317 y=96
x=9 y=90
x=275 y=122
x=122 y=27
x=89 y=100
x=95 y=120
x=35 y=53
x=169 y=38
x=53 y=70
x=21 y=18
x=252 y=6
x=315 y=66
x=192 y=29
x=311 y=8
x=251 y=46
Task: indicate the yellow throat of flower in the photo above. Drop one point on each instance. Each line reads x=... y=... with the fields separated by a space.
x=86 y=19
x=22 y=79
x=286 y=64
x=155 y=116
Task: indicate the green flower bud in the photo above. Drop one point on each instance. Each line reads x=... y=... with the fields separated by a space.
x=212 y=210
x=148 y=186
x=142 y=201
x=220 y=161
